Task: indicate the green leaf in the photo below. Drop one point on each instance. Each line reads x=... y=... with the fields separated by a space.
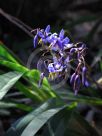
x=21 y=87
x=4 y=112
x=41 y=114
x=10 y=62
x=39 y=121
x=13 y=66
x=7 y=81
x=62 y=120
x=34 y=76
x=30 y=93
x=5 y=105
x=80 y=98
x=68 y=123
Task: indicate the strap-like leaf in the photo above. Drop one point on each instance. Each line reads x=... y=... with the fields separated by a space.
x=6 y=105
x=7 y=81
x=43 y=113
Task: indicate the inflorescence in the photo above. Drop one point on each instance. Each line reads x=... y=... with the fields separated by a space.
x=63 y=54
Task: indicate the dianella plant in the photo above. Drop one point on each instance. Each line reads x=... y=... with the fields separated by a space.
x=63 y=54
x=54 y=90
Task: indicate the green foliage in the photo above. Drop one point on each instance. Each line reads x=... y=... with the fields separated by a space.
x=55 y=117
x=31 y=76
x=7 y=81
x=8 y=104
x=65 y=121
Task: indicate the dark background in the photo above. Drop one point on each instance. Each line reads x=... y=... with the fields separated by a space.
x=57 y=13
x=80 y=18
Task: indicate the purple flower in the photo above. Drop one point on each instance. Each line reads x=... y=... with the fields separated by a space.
x=57 y=65
x=84 y=70
x=51 y=68
x=63 y=54
x=41 y=79
x=61 y=37
x=61 y=41
x=72 y=50
x=43 y=34
x=52 y=38
x=77 y=83
x=47 y=29
x=68 y=46
x=82 y=46
x=87 y=84
x=35 y=41
x=72 y=78
x=84 y=78
x=61 y=34
x=78 y=55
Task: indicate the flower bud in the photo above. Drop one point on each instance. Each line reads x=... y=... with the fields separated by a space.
x=41 y=79
x=87 y=84
x=84 y=70
x=35 y=41
x=78 y=55
x=72 y=78
x=77 y=84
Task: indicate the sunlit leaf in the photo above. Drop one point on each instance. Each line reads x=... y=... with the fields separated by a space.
x=7 y=81
x=34 y=76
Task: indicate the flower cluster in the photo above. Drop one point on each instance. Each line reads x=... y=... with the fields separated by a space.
x=64 y=53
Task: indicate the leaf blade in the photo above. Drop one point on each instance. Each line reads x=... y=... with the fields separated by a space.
x=7 y=81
